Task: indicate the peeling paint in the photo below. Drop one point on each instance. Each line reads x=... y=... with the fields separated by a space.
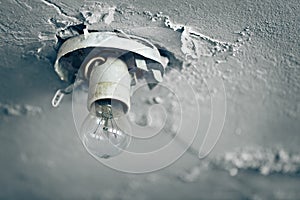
x=97 y=13
x=190 y=34
x=60 y=11
x=19 y=110
x=263 y=161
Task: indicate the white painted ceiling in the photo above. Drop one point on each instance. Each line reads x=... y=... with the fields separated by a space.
x=252 y=46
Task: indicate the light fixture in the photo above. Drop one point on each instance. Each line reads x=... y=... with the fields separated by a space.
x=111 y=62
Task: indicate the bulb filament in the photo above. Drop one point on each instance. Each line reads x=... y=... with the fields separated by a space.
x=108 y=128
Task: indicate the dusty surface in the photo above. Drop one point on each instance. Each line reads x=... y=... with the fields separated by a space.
x=252 y=46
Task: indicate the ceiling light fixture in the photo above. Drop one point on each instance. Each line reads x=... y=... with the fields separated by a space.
x=110 y=62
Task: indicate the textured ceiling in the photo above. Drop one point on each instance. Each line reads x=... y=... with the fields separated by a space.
x=252 y=46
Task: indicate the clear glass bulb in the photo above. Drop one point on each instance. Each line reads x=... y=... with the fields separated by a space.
x=102 y=136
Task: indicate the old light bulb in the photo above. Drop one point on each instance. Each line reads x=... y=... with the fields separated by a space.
x=101 y=133
x=108 y=102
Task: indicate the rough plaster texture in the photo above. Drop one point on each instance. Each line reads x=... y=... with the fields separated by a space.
x=253 y=46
